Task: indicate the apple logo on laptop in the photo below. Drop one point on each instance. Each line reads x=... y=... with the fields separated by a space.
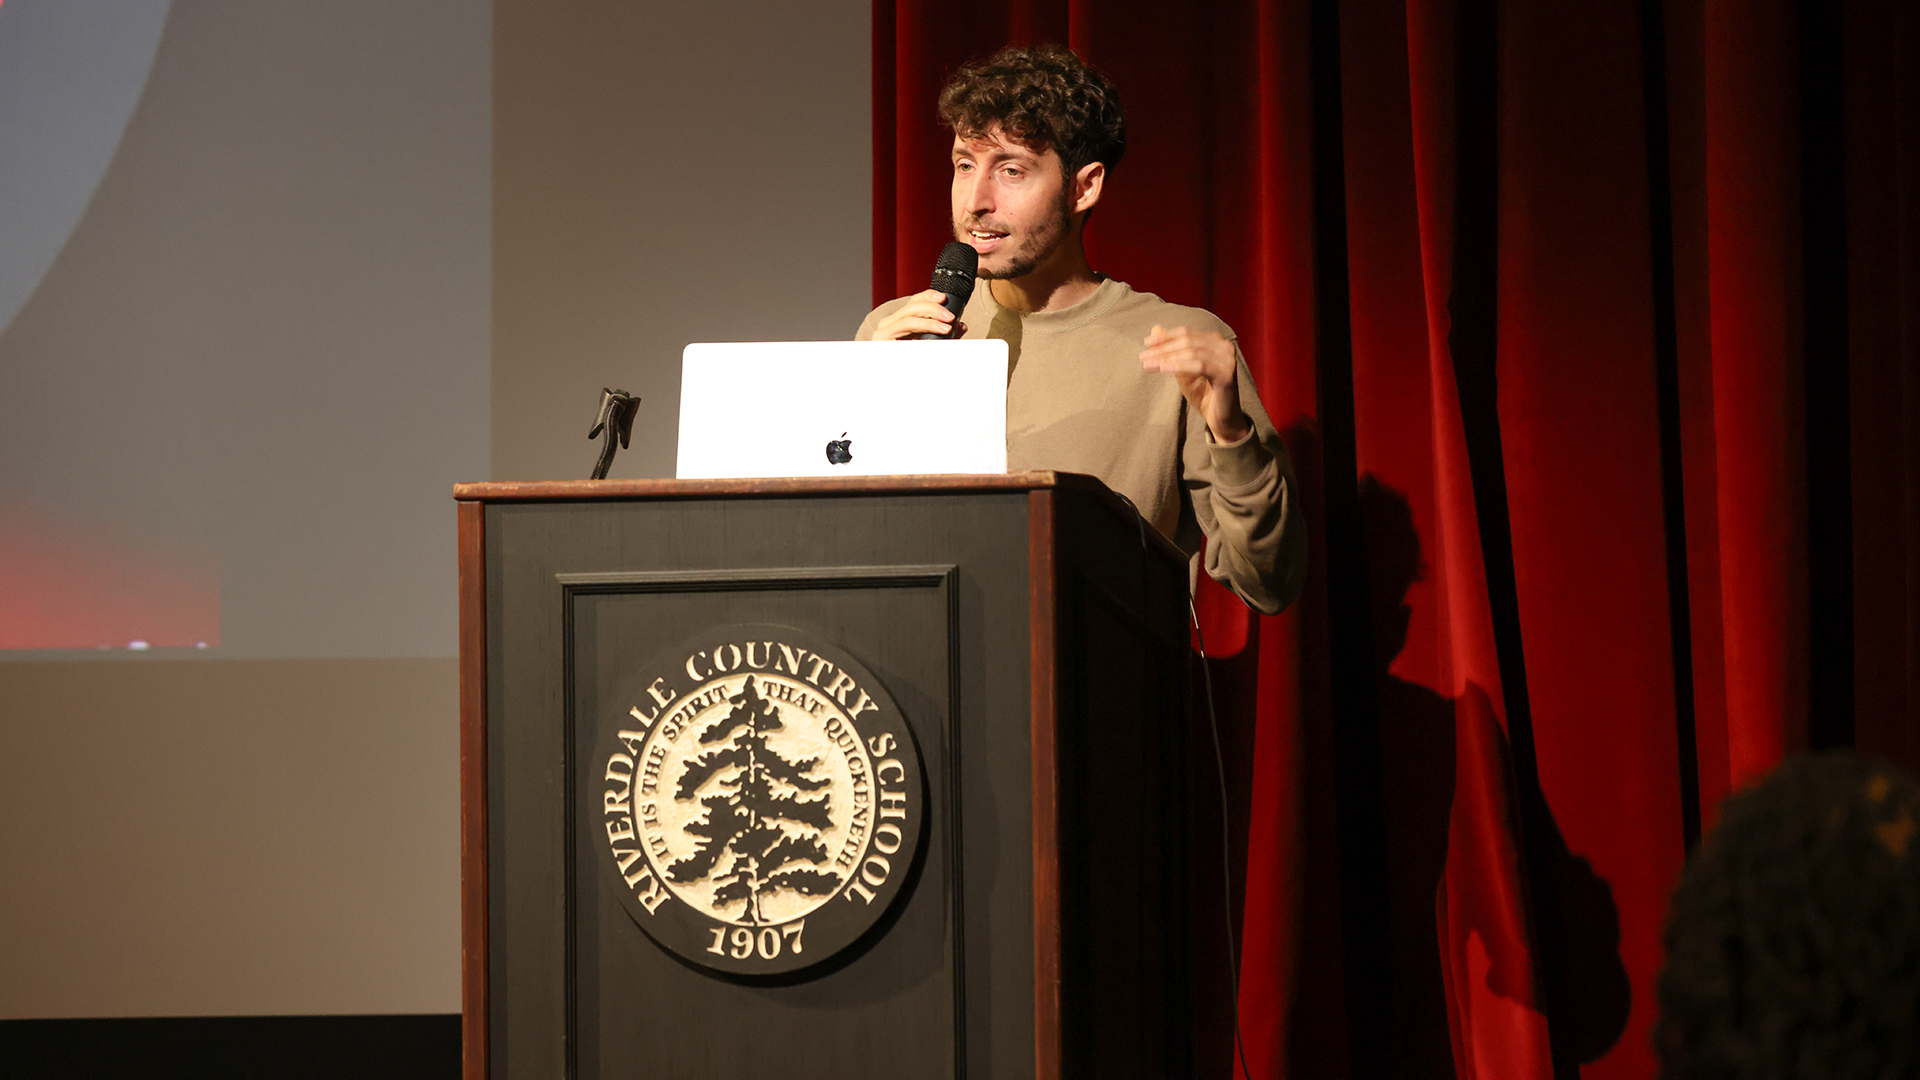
x=840 y=450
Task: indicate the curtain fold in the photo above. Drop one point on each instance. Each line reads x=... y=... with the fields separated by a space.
x=1882 y=190
x=1601 y=379
x=1754 y=340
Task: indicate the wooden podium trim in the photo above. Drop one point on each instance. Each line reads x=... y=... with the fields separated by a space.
x=504 y=491
x=554 y=490
x=1042 y=568
x=942 y=576
x=473 y=791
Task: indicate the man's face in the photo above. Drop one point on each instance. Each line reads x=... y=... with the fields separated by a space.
x=1010 y=202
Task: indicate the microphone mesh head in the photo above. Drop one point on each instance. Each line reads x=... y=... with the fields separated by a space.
x=953 y=273
x=958 y=257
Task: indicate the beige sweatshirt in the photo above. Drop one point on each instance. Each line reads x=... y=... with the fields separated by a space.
x=1078 y=401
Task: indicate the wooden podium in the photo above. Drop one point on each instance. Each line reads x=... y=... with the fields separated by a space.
x=1030 y=630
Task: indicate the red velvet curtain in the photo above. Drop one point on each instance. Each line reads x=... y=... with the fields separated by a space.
x=1594 y=331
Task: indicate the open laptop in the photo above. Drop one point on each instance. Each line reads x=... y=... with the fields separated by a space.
x=843 y=408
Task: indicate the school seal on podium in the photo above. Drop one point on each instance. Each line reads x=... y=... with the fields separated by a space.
x=760 y=797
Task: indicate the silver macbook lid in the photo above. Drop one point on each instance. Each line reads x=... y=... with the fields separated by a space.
x=843 y=408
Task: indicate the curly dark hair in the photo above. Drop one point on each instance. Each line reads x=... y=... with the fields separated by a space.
x=1793 y=941
x=1043 y=97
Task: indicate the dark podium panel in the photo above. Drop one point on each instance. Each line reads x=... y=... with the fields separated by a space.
x=1033 y=634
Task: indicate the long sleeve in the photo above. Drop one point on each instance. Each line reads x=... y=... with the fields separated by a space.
x=1246 y=501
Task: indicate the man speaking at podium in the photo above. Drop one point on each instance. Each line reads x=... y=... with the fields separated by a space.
x=1153 y=398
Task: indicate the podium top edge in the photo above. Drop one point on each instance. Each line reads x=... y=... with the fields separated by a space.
x=569 y=490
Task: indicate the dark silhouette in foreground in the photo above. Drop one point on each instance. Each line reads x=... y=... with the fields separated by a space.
x=1793 y=939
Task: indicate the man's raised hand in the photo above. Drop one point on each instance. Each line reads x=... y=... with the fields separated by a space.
x=923 y=313
x=1202 y=362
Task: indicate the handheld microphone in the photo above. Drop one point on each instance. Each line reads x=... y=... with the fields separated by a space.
x=953 y=275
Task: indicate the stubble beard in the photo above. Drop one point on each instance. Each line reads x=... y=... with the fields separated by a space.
x=1034 y=249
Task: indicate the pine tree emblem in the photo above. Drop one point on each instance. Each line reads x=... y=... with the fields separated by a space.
x=764 y=816
x=760 y=831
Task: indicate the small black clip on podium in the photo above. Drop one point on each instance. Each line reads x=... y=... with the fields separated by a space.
x=617 y=409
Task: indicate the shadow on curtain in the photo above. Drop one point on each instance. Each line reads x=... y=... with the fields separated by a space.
x=1593 y=332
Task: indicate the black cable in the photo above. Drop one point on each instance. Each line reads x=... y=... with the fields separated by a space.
x=1226 y=840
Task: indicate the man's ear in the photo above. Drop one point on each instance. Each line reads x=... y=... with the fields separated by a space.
x=1087 y=184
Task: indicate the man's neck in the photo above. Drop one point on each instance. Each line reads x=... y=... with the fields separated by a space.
x=1060 y=283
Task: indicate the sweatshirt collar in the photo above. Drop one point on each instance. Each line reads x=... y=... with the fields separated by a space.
x=1104 y=296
